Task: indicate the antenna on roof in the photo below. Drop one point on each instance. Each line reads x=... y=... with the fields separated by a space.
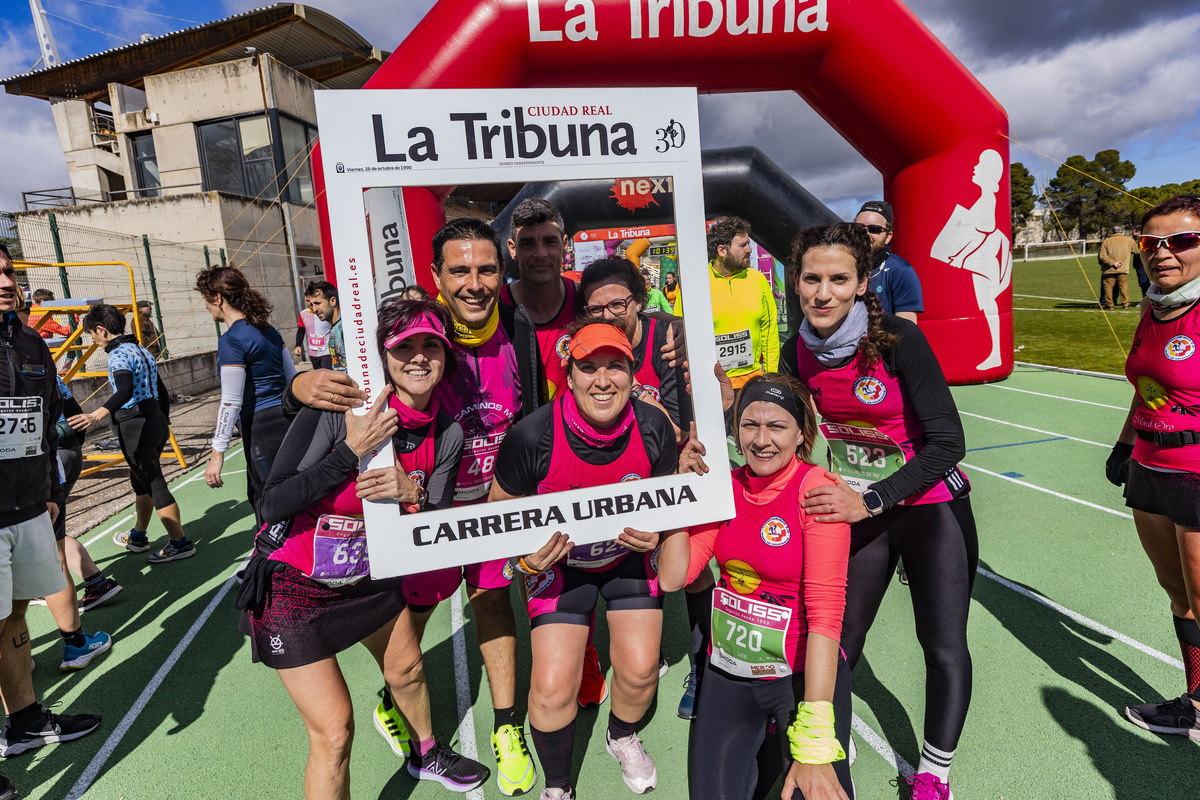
x=45 y=39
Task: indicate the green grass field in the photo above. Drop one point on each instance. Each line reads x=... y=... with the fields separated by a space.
x=1057 y=321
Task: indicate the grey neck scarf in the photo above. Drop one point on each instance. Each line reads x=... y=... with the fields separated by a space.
x=843 y=342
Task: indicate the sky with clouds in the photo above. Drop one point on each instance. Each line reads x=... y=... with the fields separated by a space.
x=1076 y=76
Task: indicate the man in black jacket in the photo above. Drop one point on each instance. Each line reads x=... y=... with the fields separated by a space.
x=30 y=405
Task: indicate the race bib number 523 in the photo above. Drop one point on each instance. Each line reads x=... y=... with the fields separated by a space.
x=20 y=427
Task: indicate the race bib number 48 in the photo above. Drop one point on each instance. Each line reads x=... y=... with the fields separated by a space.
x=20 y=427
x=735 y=350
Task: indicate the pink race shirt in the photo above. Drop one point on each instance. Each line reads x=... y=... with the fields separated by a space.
x=1164 y=368
x=484 y=397
x=569 y=471
x=870 y=429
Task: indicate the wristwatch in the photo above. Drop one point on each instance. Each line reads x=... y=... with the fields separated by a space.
x=873 y=502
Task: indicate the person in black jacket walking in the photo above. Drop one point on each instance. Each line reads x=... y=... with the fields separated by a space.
x=29 y=406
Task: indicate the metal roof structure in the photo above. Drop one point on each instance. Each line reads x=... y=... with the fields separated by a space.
x=308 y=40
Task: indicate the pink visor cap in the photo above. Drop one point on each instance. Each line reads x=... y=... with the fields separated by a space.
x=425 y=323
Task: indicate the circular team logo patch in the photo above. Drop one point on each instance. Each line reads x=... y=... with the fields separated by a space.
x=633 y=476
x=417 y=476
x=507 y=572
x=1180 y=348
x=560 y=346
x=776 y=532
x=870 y=390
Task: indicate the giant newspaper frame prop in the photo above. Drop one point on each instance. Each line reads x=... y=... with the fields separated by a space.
x=390 y=139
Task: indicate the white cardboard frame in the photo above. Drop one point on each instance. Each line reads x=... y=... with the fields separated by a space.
x=662 y=125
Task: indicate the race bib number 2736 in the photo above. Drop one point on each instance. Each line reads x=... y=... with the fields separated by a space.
x=20 y=427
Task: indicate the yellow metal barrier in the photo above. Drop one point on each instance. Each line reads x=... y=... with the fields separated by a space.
x=73 y=344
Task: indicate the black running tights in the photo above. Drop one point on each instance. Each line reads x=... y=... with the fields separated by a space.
x=731 y=757
x=941 y=551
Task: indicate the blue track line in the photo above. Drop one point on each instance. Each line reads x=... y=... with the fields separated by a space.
x=1016 y=444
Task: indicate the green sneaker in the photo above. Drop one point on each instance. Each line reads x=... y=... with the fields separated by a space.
x=391 y=725
x=515 y=773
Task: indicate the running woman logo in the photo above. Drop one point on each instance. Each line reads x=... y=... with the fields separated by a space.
x=870 y=390
x=536 y=584
x=775 y=532
x=1180 y=348
x=418 y=477
x=277 y=645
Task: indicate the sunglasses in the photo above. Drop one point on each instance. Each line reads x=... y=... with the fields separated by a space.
x=1176 y=242
x=875 y=229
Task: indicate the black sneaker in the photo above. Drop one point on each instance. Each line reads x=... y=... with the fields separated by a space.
x=7 y=790
x=1170 y=716
x=106 y=590
x=454 y=771
x=46 y=729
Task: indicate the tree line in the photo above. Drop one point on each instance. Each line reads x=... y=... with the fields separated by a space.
x=1089 y=195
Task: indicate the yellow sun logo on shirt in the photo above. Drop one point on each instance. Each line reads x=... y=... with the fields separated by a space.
x=1154 y=396
x=743 y=578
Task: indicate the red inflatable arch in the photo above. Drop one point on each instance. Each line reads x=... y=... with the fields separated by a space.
x=871 y=69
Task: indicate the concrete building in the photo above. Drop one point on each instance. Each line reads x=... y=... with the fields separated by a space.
x=199 y=138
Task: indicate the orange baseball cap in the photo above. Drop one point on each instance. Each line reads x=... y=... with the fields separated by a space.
x=598 y=336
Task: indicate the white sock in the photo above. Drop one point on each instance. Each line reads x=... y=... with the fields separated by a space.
x=935 y=761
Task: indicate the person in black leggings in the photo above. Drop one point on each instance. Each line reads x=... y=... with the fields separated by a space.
x=895 y=439
x=141 y=429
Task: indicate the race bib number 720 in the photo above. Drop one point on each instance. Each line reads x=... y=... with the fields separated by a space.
x=20 y=427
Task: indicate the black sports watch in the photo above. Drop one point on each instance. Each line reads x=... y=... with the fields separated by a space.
x=873 y=502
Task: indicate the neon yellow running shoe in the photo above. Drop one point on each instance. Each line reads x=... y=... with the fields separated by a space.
x=391 y=725
x=515 y=773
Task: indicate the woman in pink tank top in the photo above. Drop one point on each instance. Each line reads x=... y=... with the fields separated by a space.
x=1157 y=455
x=592 y=435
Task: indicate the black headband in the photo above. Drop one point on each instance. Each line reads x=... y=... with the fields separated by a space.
x=768 y=392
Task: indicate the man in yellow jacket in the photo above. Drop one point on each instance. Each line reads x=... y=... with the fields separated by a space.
x=1116 y=254
x=744 y=314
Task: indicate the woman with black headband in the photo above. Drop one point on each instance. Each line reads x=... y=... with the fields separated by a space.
x=895 y=439
x=777 y=612
x=309 y=594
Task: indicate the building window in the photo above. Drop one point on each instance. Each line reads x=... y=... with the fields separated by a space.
x=236 y=156
x=145 y=165
x=297 y=138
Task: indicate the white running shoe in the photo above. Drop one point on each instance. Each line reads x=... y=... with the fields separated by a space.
x=637 y=768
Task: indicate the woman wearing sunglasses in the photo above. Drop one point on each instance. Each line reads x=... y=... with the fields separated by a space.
x=896 y=438
x=313 y=595
x=1157 y=455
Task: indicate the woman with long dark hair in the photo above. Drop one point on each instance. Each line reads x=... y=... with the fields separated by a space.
x=255 y=369
x=896 y=438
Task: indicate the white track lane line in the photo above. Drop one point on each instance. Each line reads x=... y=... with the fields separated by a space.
x=1035 y=430
x=1060 y=495
x=1082 y=620
x=1057 y=397
x=880 y=745
x=114 y=738
x=462 y=688
x=1064 y=299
